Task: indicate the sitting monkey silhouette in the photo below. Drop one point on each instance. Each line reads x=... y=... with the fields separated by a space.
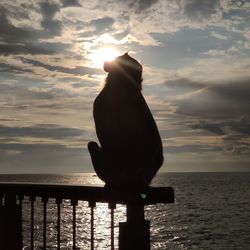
x=131 y=149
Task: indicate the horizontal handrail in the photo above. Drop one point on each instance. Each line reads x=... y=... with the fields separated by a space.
x=150 y=195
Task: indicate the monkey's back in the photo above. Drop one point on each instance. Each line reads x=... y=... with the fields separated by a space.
x=129 y=137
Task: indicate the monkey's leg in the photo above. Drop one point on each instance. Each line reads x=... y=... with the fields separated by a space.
x=97 y=160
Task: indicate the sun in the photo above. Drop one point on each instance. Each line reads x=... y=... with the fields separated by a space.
x=102 y=55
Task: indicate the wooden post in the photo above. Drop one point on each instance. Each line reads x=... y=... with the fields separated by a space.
x=135 y=233
x=10 y=223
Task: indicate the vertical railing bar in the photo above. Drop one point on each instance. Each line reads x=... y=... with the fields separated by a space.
x=32 y=199
x=74 y=203
x=112 y=206
x=58 y=201
x=20 y=197
x=92 y=205
x=92 y=228
x=112 y=228
x=1 y=200
x=44 y=200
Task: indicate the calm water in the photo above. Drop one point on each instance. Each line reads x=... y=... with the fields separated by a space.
x=211 y=211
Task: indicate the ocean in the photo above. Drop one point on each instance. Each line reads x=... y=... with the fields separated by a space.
x=211 y=211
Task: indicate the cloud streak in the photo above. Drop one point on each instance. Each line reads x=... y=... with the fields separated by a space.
x=78 y=70
x=41 y=131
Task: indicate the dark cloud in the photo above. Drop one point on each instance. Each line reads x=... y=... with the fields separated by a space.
x=121 y=35
x=39 y=48
x=128 y=6
x=70 y=79
x=232 y=133
x=182 y=86
x=70 y=3
x=49 y=9
x=79 y=70
x=102 y=24
x=41 y=131
x=236 y=145
x=238 y=3
x=239 y=127
x=29 y=148
x=200 y=9
x=21 y=40
x=234 y=90
x=192 y=148
x=145 y=4
x=19 y=12
x=141 y=5
x=214 y=128
x=218 y=100
x=4 y=68
x=9 y=33
x=243 y=126
x=51 y=27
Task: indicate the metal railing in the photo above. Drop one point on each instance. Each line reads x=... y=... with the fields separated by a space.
x=133 y=234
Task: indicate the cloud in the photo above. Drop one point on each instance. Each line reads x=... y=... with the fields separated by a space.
x=22 y=40
x=237 y=127
x=141 y=5
x=102 y=24
x=70 y=3
x=78 y=70
x=180 y=86
x=214 y=128
x=218 y=100
x=200 y=9
x=4 y=68
x=18 y=94
x=40 y=48
x=41 y=131
x=9 y=33
x=97 y=27
x=51 y=27
x=43 y=158
x=238 y=3
x=49 y=9
x=137 y=7
x=193 y=148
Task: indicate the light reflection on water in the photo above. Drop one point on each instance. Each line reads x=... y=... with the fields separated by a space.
x=102 y=225
x=102 y=221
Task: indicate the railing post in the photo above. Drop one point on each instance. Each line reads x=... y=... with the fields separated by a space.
x=10 y=223
x=135 y=233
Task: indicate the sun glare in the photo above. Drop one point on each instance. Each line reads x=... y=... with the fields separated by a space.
x=102 y=55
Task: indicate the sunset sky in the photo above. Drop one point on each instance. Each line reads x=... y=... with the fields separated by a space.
x=196 y=59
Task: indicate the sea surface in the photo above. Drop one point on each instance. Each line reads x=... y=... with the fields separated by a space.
x=211 y=211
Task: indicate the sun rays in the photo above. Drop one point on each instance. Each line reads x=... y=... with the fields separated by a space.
x=102 y=55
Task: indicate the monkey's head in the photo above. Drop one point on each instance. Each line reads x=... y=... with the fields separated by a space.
x=127 y=68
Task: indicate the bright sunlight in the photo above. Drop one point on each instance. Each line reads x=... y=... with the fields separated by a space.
x=102 y=55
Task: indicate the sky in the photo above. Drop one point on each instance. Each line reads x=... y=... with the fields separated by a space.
x=195 y=56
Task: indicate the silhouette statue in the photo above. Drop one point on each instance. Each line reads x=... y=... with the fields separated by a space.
x=131 y=149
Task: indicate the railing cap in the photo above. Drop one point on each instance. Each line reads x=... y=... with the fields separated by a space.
x=91 y=193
